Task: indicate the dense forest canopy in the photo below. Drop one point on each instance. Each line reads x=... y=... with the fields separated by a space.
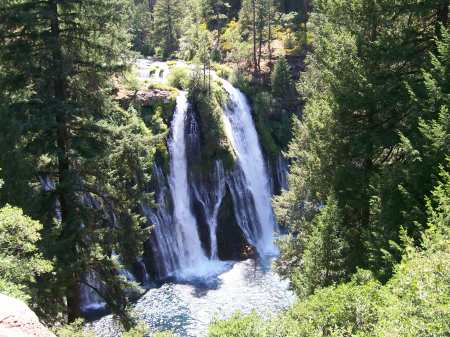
x=355 y=94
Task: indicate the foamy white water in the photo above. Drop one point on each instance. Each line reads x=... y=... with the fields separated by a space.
x=188 y=309
x=242 y=133
x=155 y=71
x=192 y=259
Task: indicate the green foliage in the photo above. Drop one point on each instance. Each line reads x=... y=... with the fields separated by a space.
x=142 y=28
x=262 y=103
x=420 y=286
x=179 y=77
x=223 y=70
x=196 y=42
x=209 y=107
x=238 y=325
x=130 y=79
x=21 y=262
x=413 y=303
x=237 y=51
x=283 y=87
x=167 y=27
x=75 y=329
x=349 y=309
x=158 y=116
x=59 y=122
x=362 y=137
x=424 y=150
x=324 y=254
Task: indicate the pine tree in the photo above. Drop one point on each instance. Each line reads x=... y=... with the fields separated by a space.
x=257 y=20
x=59 y=120
x=323 y=261
x=359 y=111
x=167 y=16
x=215 y=13
x=423 y=150
x=283 y=87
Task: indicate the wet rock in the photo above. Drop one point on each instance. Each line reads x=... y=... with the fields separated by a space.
x=143 y=98
x=231 y=241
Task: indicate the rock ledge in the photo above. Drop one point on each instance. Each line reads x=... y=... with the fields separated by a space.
x=18 y=320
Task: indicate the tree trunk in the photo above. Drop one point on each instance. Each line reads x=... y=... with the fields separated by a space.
x=218 y=30
x=443 y=13
x=169 y=27
x=270 y=34
x=255 y=63
x=74 y=299
x=260 y=46
x=64 y=188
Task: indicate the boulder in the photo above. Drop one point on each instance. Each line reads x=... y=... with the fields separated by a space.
x=18 y=320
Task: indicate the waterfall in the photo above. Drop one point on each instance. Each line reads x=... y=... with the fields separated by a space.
x=192 y=260
x=184 y=242
x=90 y=300
x=155 y=71
x=211 y=201
x=242 y=133
x=161 y=218
x=281 y=170
x=188 y=245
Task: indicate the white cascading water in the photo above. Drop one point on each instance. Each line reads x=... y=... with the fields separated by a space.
x=281 y=170
x=211 y=202
x=190 y=254
x=152 y=70
x=178 y=248
x=242 y=133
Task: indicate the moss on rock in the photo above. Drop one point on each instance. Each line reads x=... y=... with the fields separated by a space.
x=215 y=145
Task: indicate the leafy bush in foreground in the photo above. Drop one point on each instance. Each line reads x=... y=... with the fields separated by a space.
x=414 y=303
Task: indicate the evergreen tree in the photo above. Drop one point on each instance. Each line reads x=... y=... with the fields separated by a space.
x=358 y=106
x=59 y=121
x=400 y=182
x=324 y=255
x=21 y=262
x=167 y=16
x=215 y=15
x=142 y=28
x=256 y=19
x=283 y=87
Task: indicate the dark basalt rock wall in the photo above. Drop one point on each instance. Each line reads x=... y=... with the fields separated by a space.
x=203 y=227
x=231 y=242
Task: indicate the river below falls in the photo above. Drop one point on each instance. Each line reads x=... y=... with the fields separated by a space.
x=187 y=309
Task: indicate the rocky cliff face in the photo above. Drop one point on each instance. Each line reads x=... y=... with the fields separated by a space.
x=18 y=320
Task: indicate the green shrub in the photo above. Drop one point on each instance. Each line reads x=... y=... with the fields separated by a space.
x=130 y=79
x=262 y=103
x=209 y=107
x=223 y=70
x=21 y=261
x=75 y=329
x=242 y=81
x=283 y=87
x=179 y=77
x=414 y=303
x=238 y=325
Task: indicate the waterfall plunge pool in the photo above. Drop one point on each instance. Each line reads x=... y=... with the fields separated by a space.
x=187 y=309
